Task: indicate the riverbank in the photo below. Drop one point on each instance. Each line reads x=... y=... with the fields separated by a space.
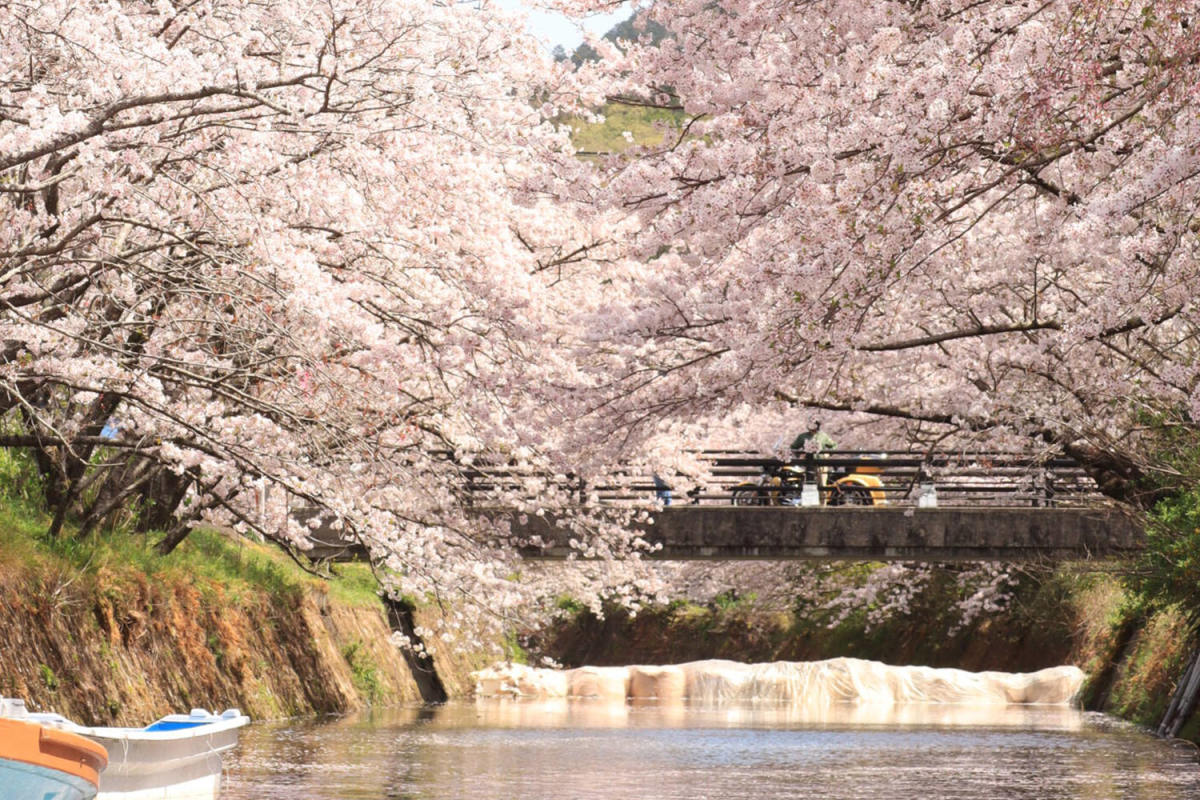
x=108 y=633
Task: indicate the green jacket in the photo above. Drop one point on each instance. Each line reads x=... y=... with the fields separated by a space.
x=823 y=442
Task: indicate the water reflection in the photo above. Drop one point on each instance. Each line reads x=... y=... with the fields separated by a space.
x=581 y=749
x=582 y=713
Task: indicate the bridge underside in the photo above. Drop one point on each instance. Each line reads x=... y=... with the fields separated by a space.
x=683 y=533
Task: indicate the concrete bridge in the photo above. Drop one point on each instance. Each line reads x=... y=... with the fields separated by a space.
x=870 y=533
x=993 y=507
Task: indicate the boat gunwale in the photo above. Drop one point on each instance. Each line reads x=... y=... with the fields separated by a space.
x=28 y=742
x=179 y=734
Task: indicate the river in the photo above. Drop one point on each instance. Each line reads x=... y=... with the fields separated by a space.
x=578 y=750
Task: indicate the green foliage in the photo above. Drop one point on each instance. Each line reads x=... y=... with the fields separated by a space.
x=855 y=637
x=1168 y=571
x=1068 y=601
x=363 y=671
x=569 y=605
x=1155 y=658
x=731 y=600
x=1163 y=585
x=513 y=651
x=20 y=482
x=48 y=677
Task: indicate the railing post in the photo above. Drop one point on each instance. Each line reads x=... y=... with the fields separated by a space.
x=926 y=491
x=1048 y=487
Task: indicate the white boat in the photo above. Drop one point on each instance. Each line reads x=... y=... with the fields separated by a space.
x=176 y=758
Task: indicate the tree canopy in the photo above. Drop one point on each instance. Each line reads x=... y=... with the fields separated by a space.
x=264 y=257
x=980 y=217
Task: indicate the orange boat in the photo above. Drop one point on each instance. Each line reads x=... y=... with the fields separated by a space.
x=48 y=764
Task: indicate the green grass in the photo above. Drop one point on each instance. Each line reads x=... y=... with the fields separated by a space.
x=1158 y=655
x=206 y=559
x=210 y=559
x=20 y=483
x=354 y=585
x=363 y=671
x=646 y=126
x=19 y=532
x=232 y=561
x=21 y=520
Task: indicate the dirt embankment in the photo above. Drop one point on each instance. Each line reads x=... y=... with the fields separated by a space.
x=671 y=636
x=103 y=648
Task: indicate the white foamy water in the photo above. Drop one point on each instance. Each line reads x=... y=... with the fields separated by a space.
x=811 y=684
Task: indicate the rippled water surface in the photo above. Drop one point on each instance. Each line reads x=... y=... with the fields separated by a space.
x=533 y=750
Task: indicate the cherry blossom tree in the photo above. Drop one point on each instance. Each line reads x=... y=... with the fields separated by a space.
x=272 y=261
x=975 y=219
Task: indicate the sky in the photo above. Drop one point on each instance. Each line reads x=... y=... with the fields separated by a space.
x=554 y=28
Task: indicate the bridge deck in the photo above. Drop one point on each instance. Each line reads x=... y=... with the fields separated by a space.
x=882 y=533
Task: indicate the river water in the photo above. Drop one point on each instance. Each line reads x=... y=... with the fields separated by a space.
x=580 y=750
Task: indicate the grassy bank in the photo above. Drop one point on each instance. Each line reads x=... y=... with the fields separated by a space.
x=107 y=631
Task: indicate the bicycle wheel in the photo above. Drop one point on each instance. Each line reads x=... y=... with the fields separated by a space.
x=749 y=495
x=850 y=495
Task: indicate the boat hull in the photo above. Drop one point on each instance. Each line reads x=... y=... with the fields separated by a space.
x=43 y=763
x=29 y=780
x=177 y=765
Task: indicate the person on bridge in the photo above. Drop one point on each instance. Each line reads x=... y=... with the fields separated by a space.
x=662 y=490
x=813 y=440
x=808 y=446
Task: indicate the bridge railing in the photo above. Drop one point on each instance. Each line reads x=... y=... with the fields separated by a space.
x=959 y=478
x=999 y=480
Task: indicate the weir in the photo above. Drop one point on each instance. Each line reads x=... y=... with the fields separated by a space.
x=814 y=684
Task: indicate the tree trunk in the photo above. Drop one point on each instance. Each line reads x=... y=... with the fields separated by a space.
x=160 y=498
x=174 y=536
x=1183 y=702
x=1116 y=475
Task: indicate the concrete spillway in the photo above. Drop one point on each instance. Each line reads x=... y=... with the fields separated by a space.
x=812 y=684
